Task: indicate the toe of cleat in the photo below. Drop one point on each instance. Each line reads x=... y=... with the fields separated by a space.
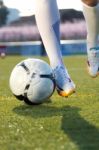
x=66 y=94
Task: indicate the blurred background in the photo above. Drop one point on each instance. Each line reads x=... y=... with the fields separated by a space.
x=19 y=34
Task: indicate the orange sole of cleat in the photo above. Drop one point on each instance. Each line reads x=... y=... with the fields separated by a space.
x=66 y=94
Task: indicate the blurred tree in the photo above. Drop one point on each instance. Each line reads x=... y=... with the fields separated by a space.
x=3 y=13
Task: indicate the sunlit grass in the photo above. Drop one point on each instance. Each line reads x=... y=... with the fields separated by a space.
x=62 y=124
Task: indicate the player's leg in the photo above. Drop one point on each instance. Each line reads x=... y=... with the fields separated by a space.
x=91 y=13
x=47 y=18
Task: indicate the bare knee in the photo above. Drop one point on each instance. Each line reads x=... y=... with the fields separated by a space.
x=90 y=2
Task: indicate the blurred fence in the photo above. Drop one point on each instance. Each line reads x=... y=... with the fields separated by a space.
x=68 y=47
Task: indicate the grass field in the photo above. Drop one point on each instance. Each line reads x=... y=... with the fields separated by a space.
x=63 y=124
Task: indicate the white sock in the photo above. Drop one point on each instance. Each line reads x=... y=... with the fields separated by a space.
x=92 y=21
x=48 y=19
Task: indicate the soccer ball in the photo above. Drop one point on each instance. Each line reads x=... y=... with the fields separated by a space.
x=32 y=80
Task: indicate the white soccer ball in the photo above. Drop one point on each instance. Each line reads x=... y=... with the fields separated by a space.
x=32 y=80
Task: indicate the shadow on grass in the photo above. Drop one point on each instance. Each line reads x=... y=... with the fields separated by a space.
x=80 y=131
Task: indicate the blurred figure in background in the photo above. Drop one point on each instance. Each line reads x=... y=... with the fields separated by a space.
x=2 y=51
x=48 y=20
x=3 y=19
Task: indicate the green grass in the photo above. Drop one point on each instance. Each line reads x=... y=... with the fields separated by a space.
x=64 y=124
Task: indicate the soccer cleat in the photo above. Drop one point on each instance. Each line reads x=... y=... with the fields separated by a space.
x=64 y=84
x=93 y=62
